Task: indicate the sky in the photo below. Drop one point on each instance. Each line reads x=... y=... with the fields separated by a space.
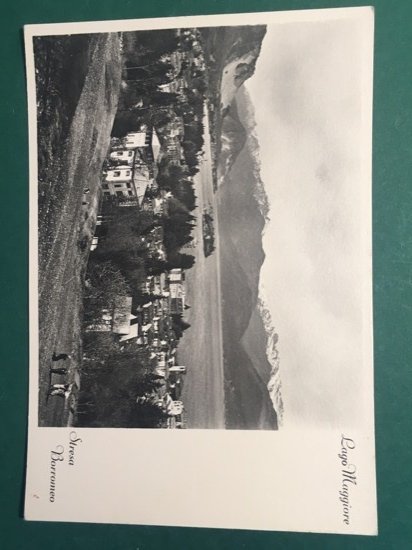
x=307 y=94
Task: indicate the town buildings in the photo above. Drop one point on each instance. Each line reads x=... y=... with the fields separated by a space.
x=132 y=167
x=177 y=292
x=122 y=157
x=148 y=320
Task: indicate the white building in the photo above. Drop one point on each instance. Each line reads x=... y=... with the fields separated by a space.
x=119 y=174
x=126 y=182
x=177 y=293
x=146 y=141
x=123 y=156
x=176 y=275
x=174 y=408
x=132 y=333
x=136 y=169
x=133 y=140
x=118 y=182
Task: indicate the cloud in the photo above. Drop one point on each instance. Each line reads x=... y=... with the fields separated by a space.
x=307 y=96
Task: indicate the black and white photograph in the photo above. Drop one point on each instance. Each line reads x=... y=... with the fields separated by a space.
x=176 y=167
x=151 y=218
x=201 y=242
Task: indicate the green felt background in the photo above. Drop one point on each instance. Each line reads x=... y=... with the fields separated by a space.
x=392 y=284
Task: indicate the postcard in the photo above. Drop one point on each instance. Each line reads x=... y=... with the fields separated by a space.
x=201 y=339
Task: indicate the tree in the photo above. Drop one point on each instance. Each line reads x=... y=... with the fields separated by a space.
x=144 y=223
x=155 y=266
x=104 y=285
x=148 y=46
x=97 y=346
x=136 y=278
x=127 y=118
x=164 y=99
x=184 y=261
x=160 y=117
x=123 y=244
x=179 y=325
x=147 y=415
x=159 y=72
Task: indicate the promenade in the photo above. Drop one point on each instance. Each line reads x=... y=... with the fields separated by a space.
x=201 y=346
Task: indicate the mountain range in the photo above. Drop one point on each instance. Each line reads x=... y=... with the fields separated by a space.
x=251 y=360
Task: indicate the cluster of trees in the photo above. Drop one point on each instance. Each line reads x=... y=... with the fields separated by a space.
x=148 y=46
x=179 y=325
x=177 y=180
x=124 y=244
x=191 y=111
x=178 y=226
x=179 y=222
x=145 y=69
x=142 y=100
x=105 y=283
x=111 y=387
x=123 y=255
x=142 y=104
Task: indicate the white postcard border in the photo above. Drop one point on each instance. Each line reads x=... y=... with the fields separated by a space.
x=287 y=481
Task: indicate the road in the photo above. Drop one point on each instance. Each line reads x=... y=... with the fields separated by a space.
x=201 y=347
